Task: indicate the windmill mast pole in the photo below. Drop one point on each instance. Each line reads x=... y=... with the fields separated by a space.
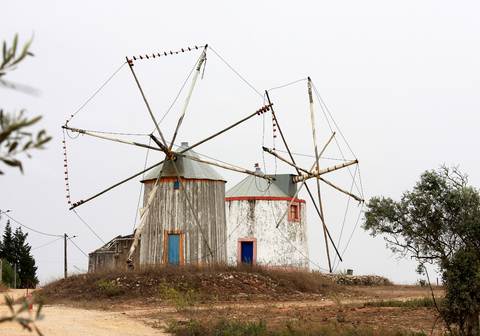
x=130 y=65
x=317 y=162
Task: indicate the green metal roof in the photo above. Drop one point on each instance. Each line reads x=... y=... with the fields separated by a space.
x=253 y=186
x=188 y=169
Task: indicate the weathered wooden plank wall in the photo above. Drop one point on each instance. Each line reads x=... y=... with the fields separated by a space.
x=170 y=212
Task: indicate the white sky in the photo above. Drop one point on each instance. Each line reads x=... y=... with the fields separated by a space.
x=401 y=79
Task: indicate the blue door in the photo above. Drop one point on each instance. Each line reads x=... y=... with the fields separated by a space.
x=247 y=252
x=174 y=249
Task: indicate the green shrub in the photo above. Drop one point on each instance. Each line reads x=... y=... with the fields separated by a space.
x=109 y=288
x=8 y=275
x=181 y=300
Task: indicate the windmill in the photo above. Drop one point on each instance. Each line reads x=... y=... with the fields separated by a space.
x=171 y=158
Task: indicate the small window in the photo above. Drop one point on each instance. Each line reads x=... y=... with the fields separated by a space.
x=294 y=213
x=176 y=185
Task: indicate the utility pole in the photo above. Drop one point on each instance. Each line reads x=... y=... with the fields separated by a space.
x=65 y=255
x=15 y=275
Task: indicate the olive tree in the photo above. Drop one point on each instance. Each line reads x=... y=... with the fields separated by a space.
x=16 y=136
x=438 y=222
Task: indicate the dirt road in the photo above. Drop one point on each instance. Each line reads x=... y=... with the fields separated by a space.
x=135 y=318
x=61 y=321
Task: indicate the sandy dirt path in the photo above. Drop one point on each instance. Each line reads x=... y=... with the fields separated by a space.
x=61 y=321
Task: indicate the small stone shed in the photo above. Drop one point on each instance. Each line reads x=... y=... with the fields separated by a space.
x=112 y=255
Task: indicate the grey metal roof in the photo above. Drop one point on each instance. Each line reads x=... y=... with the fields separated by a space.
x=253 y=186
x=188 y=169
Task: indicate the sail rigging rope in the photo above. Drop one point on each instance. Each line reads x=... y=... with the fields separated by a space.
x=287 y=84
x=346 y=212
x=351 y=235
x=236 y=72
x=178 y=93
x=324 y=108
x=141 y=185
x=313 y=156
x=96 y=92
x=88 y=226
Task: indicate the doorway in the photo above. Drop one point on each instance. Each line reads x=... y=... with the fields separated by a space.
x=247 y=251
x=173 y=249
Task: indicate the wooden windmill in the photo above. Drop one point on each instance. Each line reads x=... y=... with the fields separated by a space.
x=172 y=157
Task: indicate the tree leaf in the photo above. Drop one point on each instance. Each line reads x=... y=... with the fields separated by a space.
x=12 y=147
x=13 y=49
x=27 y=145
x=12 y=163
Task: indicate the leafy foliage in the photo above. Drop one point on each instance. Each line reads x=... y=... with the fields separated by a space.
x=16 y=251
x=10 y=58
x=438 y=222
x=26 y=264
x=109 y=288
x=182 y=300
x=15 y=137
x=462 y=297
x=8 y=275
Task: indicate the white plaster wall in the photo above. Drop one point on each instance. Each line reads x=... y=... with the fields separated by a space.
x=286 y=246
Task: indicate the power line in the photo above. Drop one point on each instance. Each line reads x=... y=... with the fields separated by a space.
x=78 y=247
x=46 y=244
x=29 y=228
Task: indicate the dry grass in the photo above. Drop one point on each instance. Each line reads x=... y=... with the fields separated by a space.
x=290 y=328
x=209 y=283
x=3 y=288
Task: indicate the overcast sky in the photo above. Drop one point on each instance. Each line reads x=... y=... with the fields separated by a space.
x=401 y=79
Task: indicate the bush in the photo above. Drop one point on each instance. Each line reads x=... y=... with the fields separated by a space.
x=181 y=300
x=8 y=275
x=109 y=288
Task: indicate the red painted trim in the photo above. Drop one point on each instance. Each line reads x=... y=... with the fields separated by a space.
x=263 y=198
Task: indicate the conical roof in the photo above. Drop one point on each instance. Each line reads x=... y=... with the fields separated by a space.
x=253 y=186
x=188 y=169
